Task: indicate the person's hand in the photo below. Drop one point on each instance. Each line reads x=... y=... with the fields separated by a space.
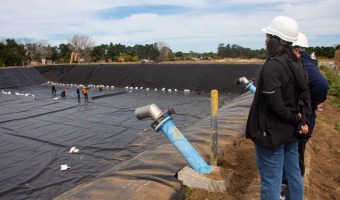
x=304 y=129
x=320 y=107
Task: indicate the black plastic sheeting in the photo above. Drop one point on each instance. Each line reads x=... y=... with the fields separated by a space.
x=152 y=174
x=195 y=77
x=20 y=76
x=119 y=156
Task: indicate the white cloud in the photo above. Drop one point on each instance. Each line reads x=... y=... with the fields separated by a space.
x=200 y=26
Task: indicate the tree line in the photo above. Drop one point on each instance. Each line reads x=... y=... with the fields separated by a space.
x=24 y=51
x=236 y=51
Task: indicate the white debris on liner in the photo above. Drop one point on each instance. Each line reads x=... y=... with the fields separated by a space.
x=64 y=167
x=74 y=150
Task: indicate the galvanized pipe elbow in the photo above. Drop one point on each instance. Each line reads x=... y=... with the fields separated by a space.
x=150 y=111
x=242 y=80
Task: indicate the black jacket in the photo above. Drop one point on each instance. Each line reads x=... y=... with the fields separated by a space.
x=281 y=93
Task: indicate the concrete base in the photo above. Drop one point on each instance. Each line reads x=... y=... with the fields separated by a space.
x=217 y=181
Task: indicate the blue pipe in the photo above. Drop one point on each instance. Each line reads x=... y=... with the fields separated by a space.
x=183 y=146
x=251 y=87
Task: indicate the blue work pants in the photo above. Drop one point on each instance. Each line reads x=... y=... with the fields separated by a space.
x=271 y=163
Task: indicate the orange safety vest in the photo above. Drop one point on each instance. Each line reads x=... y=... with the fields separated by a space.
x=84 y=91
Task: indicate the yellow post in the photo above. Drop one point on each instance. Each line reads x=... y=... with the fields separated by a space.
x=214 y=130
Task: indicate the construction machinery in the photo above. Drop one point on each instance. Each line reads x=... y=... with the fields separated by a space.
x=74 y=57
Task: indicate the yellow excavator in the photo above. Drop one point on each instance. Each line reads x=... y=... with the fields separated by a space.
x=74 y=57
x=120 y=59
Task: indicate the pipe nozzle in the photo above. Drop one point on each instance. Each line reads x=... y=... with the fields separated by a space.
x=242 y=80
x=150 y=111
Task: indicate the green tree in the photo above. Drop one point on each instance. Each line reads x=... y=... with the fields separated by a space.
x=54 y=56
x=209 y=56
x=179 y=55
x=322 y=52
x=151 y=52
x=12 y=54
x=99 y=53
x=64 y=53
x=2 y=54
x=140 y=51
x=222 y=50
x=115 y=51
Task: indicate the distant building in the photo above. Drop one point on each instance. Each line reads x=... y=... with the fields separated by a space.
x=33 y=63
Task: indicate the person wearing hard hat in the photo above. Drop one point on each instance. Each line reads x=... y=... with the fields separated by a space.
x=278 y=112
x=63 y=93
x=101 y=88
x=85 y=94
x=318 y=87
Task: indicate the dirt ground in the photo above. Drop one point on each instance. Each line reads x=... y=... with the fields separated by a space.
x=322 y=179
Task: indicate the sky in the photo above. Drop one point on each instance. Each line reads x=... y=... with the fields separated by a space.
x=184 y=25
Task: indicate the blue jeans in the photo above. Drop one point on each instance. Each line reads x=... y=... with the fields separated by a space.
x=271 y=163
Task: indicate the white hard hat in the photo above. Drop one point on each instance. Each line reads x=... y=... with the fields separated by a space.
x=301 y=41
x=283 y=27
